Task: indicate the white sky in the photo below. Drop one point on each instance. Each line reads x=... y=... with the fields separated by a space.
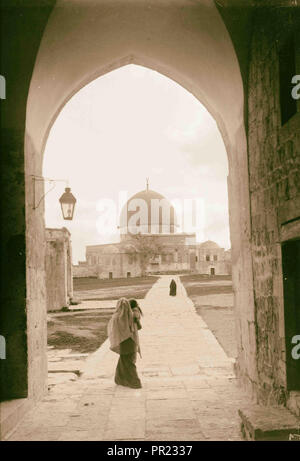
x=131 y=124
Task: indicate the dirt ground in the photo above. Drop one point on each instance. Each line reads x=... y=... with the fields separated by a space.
x=95 y=289
x=196 y=278
x=83 y=332
x=219 y=319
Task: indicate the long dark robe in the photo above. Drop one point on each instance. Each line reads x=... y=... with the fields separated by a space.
x=173 y=288
x=126 y=373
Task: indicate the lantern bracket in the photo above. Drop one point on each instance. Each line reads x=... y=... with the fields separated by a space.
x=41 y=178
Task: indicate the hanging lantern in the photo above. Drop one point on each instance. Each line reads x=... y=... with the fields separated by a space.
x=67 y=203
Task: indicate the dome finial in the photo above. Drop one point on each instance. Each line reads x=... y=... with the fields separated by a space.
x=147 y=183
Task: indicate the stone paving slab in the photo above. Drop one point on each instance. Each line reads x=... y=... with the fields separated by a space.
x=189 y=389
x=271 y=423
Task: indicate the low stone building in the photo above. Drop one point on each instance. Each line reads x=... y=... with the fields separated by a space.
x=83 y=270
x=211 y=259
x=59 y=278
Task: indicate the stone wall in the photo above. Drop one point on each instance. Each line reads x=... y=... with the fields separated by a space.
x=59 y=277
x=219 y=260
x=274 y=160
x=118 y=261
x=119 y=265
x=80 y=270
x=23 y=312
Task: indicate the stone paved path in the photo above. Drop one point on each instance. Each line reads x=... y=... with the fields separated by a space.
x=189 y=389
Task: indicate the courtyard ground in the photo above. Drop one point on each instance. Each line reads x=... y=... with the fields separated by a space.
x=213 y=300
x=82 y=332
x=88 y=288
x=189 y=388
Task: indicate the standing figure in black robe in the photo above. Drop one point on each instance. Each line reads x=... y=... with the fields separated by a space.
x=173 y=288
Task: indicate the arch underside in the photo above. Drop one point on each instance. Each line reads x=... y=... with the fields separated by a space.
x=183 y=40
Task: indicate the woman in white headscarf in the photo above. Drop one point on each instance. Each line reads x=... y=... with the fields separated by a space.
x=124 y=340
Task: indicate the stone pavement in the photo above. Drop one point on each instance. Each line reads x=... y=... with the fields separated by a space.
x=94 y=304
x=189 y=389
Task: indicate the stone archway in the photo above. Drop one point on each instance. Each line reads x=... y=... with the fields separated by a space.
x=188 y=42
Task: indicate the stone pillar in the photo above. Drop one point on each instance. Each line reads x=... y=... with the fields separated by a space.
x=59 y=282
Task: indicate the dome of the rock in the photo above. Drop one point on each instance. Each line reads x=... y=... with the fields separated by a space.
x=209 y=244
x=147 y=212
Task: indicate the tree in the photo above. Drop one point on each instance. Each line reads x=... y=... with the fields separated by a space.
x=146 y=247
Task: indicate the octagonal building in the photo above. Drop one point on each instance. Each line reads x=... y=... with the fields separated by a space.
x=150 y=243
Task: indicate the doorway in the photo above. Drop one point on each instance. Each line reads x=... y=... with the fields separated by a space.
x=291 y=293
x=195 y=71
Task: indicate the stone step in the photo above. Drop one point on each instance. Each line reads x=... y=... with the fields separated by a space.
x=59 y=378
x=65 y=366
x=11 y=413
x=268 y=423
x=68 y=357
